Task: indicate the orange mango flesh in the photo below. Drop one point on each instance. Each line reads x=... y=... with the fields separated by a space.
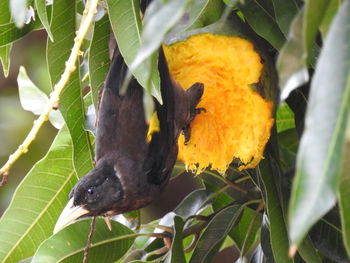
x=237 y=120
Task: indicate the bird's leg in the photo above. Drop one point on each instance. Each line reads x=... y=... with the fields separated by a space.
x=194 y=94
x=108 y=222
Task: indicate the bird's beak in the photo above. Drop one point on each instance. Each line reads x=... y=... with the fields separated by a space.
x=69 y=214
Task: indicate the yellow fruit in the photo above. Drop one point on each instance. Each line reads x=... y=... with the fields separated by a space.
x=237 y=120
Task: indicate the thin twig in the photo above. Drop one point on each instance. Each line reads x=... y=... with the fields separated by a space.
x=88 y=242
x=90 y=11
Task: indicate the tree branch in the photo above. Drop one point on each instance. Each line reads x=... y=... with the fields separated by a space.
x=89 y=12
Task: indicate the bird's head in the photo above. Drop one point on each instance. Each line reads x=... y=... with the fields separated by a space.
x=94 y=194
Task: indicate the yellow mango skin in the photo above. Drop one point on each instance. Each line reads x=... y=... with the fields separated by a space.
x=237 y=121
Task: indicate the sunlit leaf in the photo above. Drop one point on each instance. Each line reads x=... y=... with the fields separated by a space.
x=46 y=187
x=71 y=103
x=321 y=146
x=31 y=97
x=68 y=244
x=5 y=17
x=331 y=11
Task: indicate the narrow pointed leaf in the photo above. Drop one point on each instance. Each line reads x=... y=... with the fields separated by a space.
x=285 y=12
x=46 y=189
x=99 y=57
x=5 y=17
x=42 y=13
x=159 y=18
x=127 y=26
x=177 y=250
x=344 y=193
x=297 y=54
x=321 y=146
x=68 y=244
x=262 y=23
x=71 y=103
x=217 y=230
x=31 y=97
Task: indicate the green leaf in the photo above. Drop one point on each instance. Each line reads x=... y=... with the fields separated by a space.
x=344 y=192
x=262 y=22
x=10 y=33
x=99 y=57
x=321 y=147
x=159 y=18
x=285 y=12
x=288 y=143
x=215 y=233
x=5 y=17
x=71 y=103
x=177 y=250
x=46 y=187
x=68 y=244
x=278 y=232
x=193 y=203
x=5 y=58
x=284 y=118
x=126 y=24
x=248 y=222
x=331 y=11
x=42 y=13
x=296 y=54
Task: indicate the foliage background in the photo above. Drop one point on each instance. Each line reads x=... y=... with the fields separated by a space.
x=309 y=44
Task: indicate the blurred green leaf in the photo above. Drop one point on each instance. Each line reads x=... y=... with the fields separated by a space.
x=198 y=14
x=34 y=100
x=46 y=187
x=321 y=146
x=71 y=103
x=127 y=26
x=332 y=9
x=296 y=54
x=42 y=13
x=284 y=118
x=215 y=233
x=68 y=244
x=18 y=10
x=99 y=57
x=262 y=22
x=31 y=97
x=159 y=18
x=285 y=12
x=177 y=250
x=344 y=193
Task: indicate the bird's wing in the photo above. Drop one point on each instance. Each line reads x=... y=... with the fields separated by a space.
x=162 y=151
x=121 y=126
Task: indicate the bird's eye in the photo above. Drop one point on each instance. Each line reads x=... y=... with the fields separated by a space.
x=90 y=191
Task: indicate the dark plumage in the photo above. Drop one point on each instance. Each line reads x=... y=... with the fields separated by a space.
x=131 y=172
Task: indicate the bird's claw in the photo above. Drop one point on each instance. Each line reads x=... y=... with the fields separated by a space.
x=186 y=131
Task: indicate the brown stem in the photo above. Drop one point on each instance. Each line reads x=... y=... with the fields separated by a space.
x=88 y=243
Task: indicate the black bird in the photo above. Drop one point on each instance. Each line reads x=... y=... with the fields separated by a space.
x=131 y=171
